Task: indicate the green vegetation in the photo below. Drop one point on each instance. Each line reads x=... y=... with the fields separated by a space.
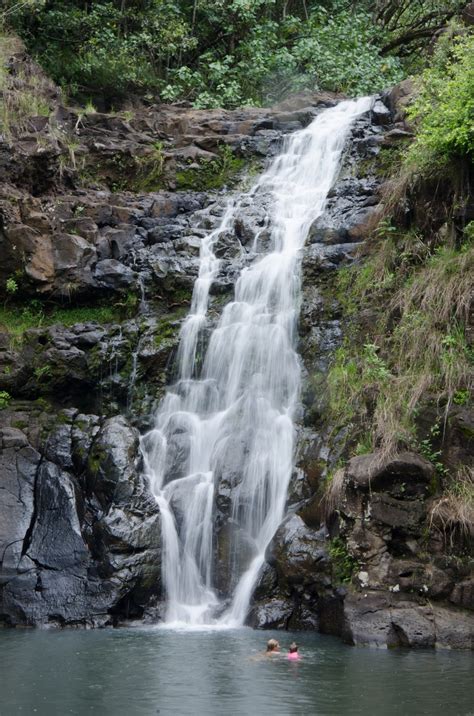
x=420 y=351
x=225 y=52
x=124 y=172
x=431 y=453
x=17 y=320
x=444 y=108
x=343 y=564
x=11 y=286
x=4 y=399
x=166 y=330
x=22 y=95
x=212 y=174
x=453 y=512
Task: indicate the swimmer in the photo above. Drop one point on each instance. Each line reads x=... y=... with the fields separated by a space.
x=293 y=653
x=273 y=647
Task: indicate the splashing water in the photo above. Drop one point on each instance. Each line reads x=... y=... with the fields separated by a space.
x=244 y=391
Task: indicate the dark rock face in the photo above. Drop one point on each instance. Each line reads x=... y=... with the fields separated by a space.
x=298 y=575
x=80 y=537
x=376 y=620
x=403 y=588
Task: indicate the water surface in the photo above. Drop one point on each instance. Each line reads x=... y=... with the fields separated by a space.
x=213 y=673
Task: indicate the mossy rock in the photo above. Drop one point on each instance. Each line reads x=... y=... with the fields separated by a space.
x=212 y=174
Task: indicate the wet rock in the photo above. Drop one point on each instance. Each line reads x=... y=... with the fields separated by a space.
x=400 y=97
x=300 y=553
x=454 y=629
x=381 y=113
x=463 y=594
x=468 y=14
x=114 y=462
x=58 y=443
x=374 y=620
x=72 y=560
x=274 y=614
x=18 y=466
x=56 y=540
x=406 y=516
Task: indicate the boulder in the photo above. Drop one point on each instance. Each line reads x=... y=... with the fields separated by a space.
x=113 y=275
x=113 y=462
x=410 y=470
x=300 y=553
x=399 y=98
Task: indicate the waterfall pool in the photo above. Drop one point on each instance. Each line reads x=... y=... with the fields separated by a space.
x=147 y=671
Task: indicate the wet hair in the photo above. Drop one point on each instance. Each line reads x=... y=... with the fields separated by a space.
x=293 y=648
x=272 y=644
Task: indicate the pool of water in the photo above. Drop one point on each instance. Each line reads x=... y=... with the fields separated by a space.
x=157 y=671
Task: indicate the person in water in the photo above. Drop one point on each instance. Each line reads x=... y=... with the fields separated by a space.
x=293 y=653
x=273 y=647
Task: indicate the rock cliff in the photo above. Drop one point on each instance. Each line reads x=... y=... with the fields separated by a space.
x=101 y=217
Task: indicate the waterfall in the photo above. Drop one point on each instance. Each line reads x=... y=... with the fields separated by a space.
x=243 y=391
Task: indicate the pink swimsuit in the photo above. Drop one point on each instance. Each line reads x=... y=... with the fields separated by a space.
x=293 y=655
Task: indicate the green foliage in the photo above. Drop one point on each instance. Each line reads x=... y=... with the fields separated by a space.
x=11 y=286
x=123 y=172
x=17 y=320
x=453 y=512
x=167 y=329
x=343 y=564
x=469 y=231
x=365 y=445
x=444 y=108
x=461 y=397
x=149 y=170
x=429 y=452
x=42 y=372
x=354 y=377
x=22 y=95
x=127 y=307
x=339 y=52
x=214 y=52
x=4 y=399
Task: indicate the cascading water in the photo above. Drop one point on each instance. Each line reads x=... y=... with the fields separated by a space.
x=245 y=389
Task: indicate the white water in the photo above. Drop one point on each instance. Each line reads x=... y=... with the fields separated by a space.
x=243 y=392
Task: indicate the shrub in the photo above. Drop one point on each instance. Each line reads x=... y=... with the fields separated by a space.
x=444 y=108
x=4 y=399
x=343 y=564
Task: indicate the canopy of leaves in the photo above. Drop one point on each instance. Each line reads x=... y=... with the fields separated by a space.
x=222 y=52
x=444 y=108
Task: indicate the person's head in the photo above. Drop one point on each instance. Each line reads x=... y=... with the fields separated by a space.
x=293 y=648
x=272 y=645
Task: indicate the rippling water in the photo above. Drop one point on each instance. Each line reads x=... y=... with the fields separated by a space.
x=157 y=671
